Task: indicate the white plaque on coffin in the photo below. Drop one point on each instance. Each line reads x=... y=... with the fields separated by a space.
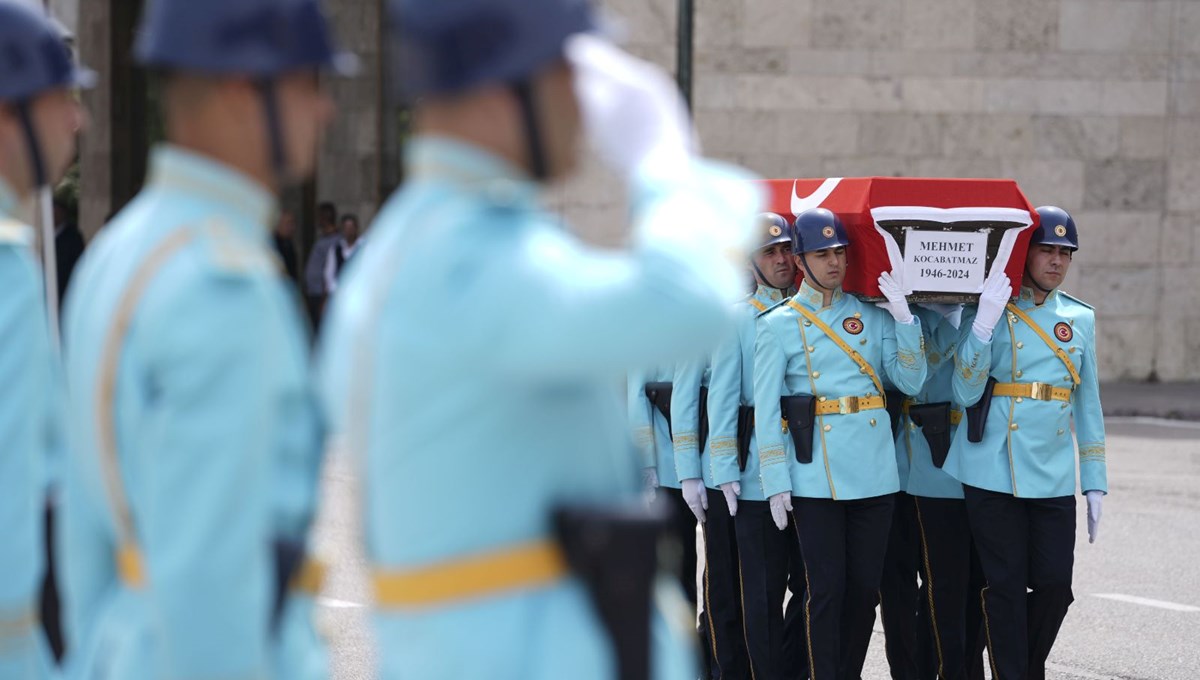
x=944 y=261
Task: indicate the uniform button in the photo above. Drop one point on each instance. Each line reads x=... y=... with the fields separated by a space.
x=816 y=374
x=1014 y=426
x=828 y=428
x=807 y=322
x=872 y=422
x=822 y=398
x=1060 y=432
x=1071 y=350
x=1020 y=345
x=1067 y=378
x=912 y=427
x=1020 y=399
x=1018 y=374
x=810 y=348
x=858 y=315
x=1064 y=405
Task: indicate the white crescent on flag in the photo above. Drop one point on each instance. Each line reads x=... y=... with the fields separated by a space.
x=816 y=198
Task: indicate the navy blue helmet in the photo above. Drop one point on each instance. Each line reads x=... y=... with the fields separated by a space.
x=773 y=228
x=818 y=229
x=1056 y=228
x=451 y=46
x=33 y=56
x=263 y=38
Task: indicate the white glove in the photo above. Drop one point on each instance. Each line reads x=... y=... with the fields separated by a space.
x=632 y=111
x=993 y=297
x=781 y=507
x=892 y=286
x=650 y=483
x=732 y=490
x=1095 y=503
x=696 y=497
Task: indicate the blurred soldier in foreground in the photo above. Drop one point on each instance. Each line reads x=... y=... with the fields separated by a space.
x=39 y=118
x=197 y=443
x=1029 y=383
x=475 y=350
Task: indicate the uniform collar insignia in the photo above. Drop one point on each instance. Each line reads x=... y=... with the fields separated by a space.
x=768 y=294
x=813 y=299
x=1026 y=297
x=445 y=160
x=249 y=205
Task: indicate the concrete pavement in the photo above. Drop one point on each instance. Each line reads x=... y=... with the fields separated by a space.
x=1136 y=614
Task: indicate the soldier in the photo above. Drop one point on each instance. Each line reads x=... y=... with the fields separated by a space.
x=39 y=119
x=722 y=635
x=650 y=400
x=929 y=530
x=1028 y=383
x=498 y=479
x=764 y=556
x=819 y=362
x=197 y=444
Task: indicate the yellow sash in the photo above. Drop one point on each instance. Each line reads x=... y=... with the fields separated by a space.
x=1058 y=351
x=863 y=366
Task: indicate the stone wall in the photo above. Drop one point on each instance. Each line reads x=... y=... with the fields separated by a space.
x=1093 y=105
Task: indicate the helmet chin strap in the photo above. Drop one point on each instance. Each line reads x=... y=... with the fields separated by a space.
x=809 y=273
x=1034 y=281
x=538 y=166
x=270 y=100
x=761 y=279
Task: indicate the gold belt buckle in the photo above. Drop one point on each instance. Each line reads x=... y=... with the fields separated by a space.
x=1041 y=391
x=847 y=405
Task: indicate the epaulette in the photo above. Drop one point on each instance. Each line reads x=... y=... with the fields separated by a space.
x=15 y=233
x=235 y=254
x=773 y=307
x=1072 y=298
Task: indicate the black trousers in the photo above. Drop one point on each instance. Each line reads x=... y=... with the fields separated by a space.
x=795 y=625
x=766 y=554
x=843 y=545
x=899 y=596
x=721 y=628
x=1027 y=551
x=950 y=630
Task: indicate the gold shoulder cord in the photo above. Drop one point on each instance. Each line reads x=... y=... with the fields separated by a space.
x=857 y=358
x=106 y=387
x=1058 y=351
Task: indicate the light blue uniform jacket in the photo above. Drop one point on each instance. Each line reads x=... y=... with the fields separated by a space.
x=918 y=475
x=217 y=434
x=690 y=461
x=473 y=361
x=854 y=455
x=731 y=386
x=651 y=432
x=1027 y=448
x=28 y=419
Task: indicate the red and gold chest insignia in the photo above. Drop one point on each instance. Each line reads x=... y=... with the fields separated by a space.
x=852 y=326
x=1063 y=331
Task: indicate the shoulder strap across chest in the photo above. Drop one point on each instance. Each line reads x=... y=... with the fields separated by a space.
x=857 y=358
x=1058 y=351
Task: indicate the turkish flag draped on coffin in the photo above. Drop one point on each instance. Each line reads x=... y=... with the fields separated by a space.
x=945 y=234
